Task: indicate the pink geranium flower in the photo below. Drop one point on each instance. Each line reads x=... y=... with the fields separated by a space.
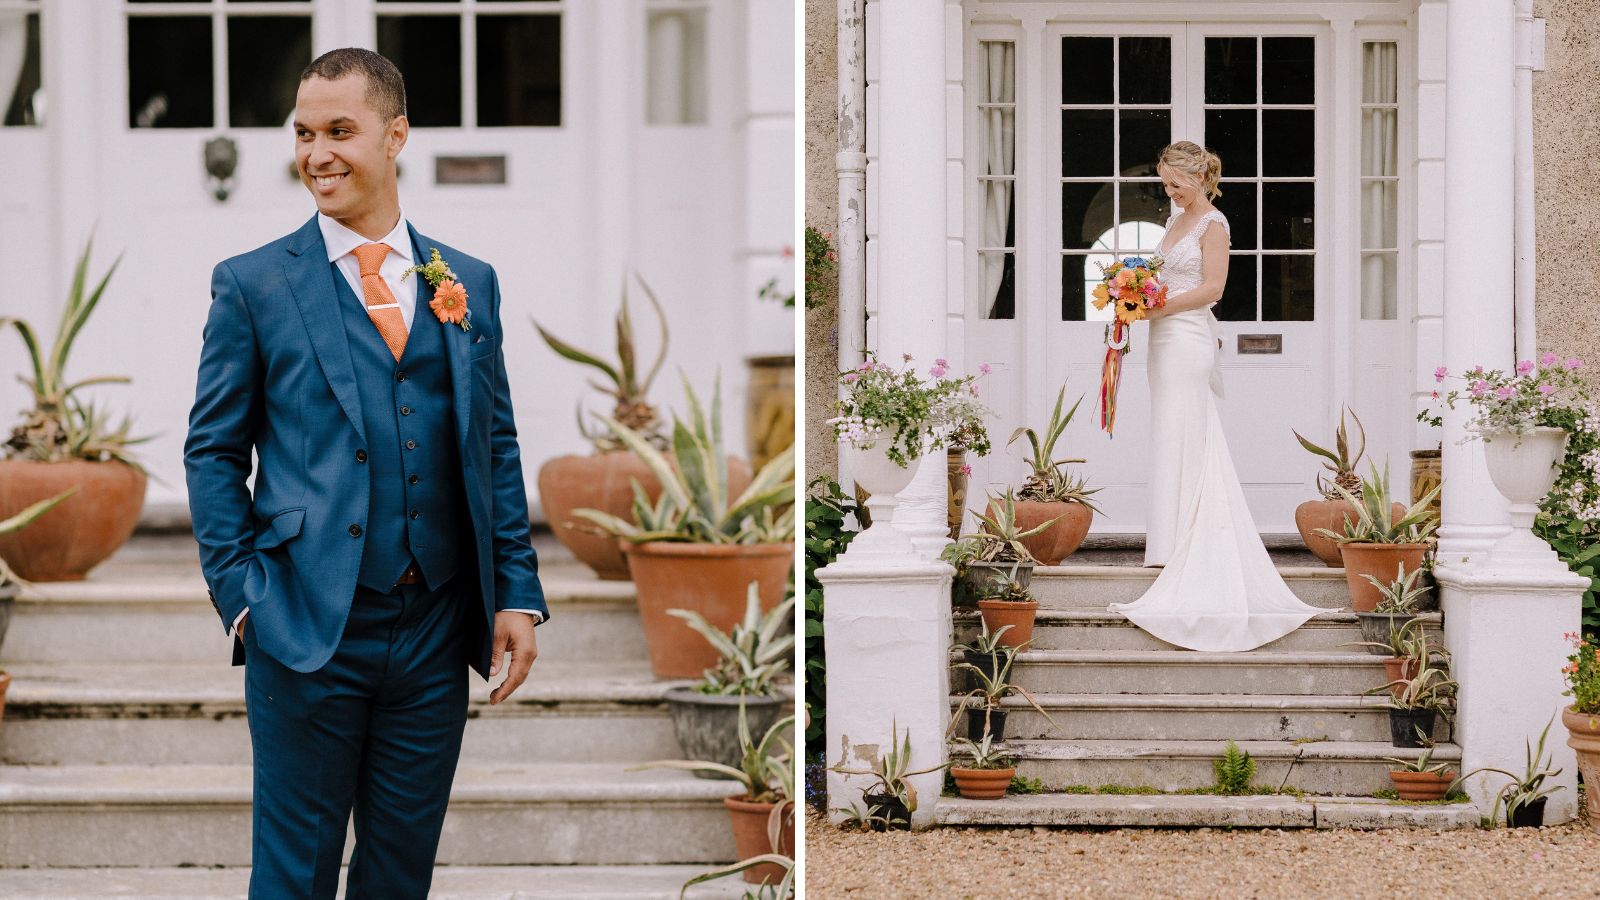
x=937 y=371
x=1524 y=366
x=966 y=469
x=850 y=377
x=1547 y=389
x=984 y=369
x=1574 y=363
x=1478 y=388
x=1504 y=393
x=1440 y=373
x=1549 y=358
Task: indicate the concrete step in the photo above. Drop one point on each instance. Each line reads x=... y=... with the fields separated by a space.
x=1208 y=717
x=1196 y=672
x=1094 y=586
x=449 y=883
x=161 y=614
x=1099 y=629
x=1204 y=811
x=1328 y=767
x=506 y=814
x=152 y=714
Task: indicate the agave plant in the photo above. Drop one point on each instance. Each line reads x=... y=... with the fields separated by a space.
x=60 y=426
x=993 y=687
x=1523 y=789
x=984 y=753
x=628 y=387
x=765 y=771
x=1429 y=688
x=1401 y=594
x=1402 y=642
x=999 y=535
x=1374 y=521
x=753 y=655
x=22 y=519
x=893 y=768
x=1424 y=761
x=783 y=889
x=1340 y=462
x=1049 y=480
x=694 y=505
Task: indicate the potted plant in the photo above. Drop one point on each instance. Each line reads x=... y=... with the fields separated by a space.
x=752 y=657
x=1398 y=603
x=1524 y=795
x=959 y=427
x=988 y=651
x=1380 y=538
x=988 y=774
x=983 y=703
x=1403 y=649
x=699 y=545
x=9 y=582
x=1421 y=778
x=766 y=773
x=1008 y=609
x=884 y=425
x=891 y=805
x=1050 y=495
x=1582 y=719
x=1333 y=511
x=782 y=890
x=992 y=553
x=65 y=441
x=1420 y=700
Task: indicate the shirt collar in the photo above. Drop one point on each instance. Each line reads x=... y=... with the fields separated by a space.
x=340 y=240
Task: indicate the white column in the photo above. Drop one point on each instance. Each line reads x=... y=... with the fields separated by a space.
x=851 y=164
x=1479 y=280
x=911 y=217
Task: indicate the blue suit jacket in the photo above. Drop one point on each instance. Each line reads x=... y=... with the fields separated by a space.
x=276 y=377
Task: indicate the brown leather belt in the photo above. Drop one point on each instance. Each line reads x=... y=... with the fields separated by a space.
x=412 y=575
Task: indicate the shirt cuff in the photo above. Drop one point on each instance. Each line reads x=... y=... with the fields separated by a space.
x=239 y=618
x=538 y=617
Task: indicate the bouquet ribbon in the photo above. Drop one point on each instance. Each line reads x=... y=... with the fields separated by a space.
x=1111 y=374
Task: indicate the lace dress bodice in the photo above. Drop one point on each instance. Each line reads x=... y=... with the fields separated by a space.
x=1181 y=268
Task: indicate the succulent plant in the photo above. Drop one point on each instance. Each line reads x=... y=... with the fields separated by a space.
x=1340 y=462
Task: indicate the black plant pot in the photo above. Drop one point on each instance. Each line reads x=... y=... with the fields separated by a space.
x=989 y=663
x=997 y=724
x=964 y=591
x=1403 y=724
x=1530 y=816
x=707 y=725
x=889 y=807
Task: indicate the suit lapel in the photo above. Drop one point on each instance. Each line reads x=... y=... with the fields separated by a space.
x=456 y=341
x=310 y=278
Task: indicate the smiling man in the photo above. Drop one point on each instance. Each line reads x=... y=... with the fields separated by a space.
x=385 y=547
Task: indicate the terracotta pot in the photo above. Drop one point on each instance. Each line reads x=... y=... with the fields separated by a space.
x=1420 y=785
x=769 y=408
x=1583 y=735
x=955 y=463
x=750 y=837
x=983 y=784
x=1058 y=541
x=1396 y=668
x=711 y=579
x=1427 y=470
x=68 y=541
x=1019 y=615
x=603 y=481
x=1381 y=561
x=1329 y=514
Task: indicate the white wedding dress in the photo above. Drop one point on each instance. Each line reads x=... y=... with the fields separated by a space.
x=1218 y=589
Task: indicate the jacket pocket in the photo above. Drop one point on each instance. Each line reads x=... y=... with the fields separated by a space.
x=282 y=527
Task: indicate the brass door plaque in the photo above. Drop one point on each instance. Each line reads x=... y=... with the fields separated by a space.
x=469 y=170
x=1260 y=343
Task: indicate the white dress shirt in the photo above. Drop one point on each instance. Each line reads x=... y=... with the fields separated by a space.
x=342 y=243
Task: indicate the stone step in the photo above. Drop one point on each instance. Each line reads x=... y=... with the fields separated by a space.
x=1327 y=767
x=147 y=714
x=1196 y=672
x=507 y=814
x=1203 y=811
x=1099 y=629
x=1094 y=586
x=1196 y=717
x=162 y=614
x=449 y=883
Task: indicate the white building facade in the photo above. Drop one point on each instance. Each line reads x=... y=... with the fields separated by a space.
x=564 y=142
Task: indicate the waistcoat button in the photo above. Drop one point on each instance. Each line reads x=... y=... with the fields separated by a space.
x=414 y=479
x=411 y=445
x=361 y=456
x=416 y=514
x=355 y=531
x=405 y=410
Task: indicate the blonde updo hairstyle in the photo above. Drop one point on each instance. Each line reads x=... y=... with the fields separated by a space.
x=1192 y=165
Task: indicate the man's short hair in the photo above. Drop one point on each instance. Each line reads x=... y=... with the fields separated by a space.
x=386 y=90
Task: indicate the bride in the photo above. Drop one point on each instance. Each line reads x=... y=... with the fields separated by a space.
x=1218 y=589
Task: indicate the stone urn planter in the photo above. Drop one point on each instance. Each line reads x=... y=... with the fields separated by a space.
x=604 y=481
x=1061 y=539
x=878 y=481
x=1381 y=561
x=707 y=725
x=983 y=784
x=711 y=579
x=750 y=836
x=1583 y=735
x=1332 y=515
x=68 y=541
x=1019 y=614
x=1420 y=785
x=1522 y=467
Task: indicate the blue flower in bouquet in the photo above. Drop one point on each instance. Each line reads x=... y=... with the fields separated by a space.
x=1136 y=262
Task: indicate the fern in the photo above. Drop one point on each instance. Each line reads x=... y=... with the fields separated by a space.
x=1234 y=770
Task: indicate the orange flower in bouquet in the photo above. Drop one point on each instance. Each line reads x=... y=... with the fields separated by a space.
x=1134 y=286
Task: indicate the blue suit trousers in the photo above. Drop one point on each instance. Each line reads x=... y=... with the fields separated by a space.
x=377 y=730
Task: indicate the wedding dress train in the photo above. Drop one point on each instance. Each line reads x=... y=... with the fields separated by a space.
x=1218 y=590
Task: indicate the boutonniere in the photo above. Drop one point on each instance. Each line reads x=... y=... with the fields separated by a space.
x=449 y=301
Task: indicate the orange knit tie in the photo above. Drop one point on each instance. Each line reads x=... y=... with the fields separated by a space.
x=381 y=305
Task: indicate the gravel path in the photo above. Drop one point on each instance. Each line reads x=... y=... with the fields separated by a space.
x=992 y=863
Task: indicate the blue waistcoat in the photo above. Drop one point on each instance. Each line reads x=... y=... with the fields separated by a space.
x=418 y=504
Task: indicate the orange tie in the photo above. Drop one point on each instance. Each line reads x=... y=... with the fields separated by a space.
x=381 y=305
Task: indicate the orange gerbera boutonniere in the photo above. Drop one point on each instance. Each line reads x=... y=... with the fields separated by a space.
x=449 y=301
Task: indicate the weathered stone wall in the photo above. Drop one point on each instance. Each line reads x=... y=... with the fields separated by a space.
x=822 y=213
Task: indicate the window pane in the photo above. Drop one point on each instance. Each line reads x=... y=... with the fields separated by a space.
x=1085 y=214
x=1238 y=303
x=1379 y=208
x=1238 y=203
x=1144 y=211
x=1230 y=70
x=1145 y=65
x=265 y=57
x=1086 y=143
x=1086 y=70
x=427 y=50
x=169 y=72
x=519 y=70
x=999 y=274
x=1288 y=290
x=1378 y=295
x=1379 y=142
x=1288 y=142
x=1231 y=134
x=1378 y=73
x=1075 y=288
x=1287 y=212
x=1288 y=71
x=675 y=90
x=26 y=68
x=1144 y=133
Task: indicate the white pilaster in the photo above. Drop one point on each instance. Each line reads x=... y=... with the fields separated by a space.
x=1478 y=253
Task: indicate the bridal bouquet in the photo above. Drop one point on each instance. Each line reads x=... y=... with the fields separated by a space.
x=1134 y=286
